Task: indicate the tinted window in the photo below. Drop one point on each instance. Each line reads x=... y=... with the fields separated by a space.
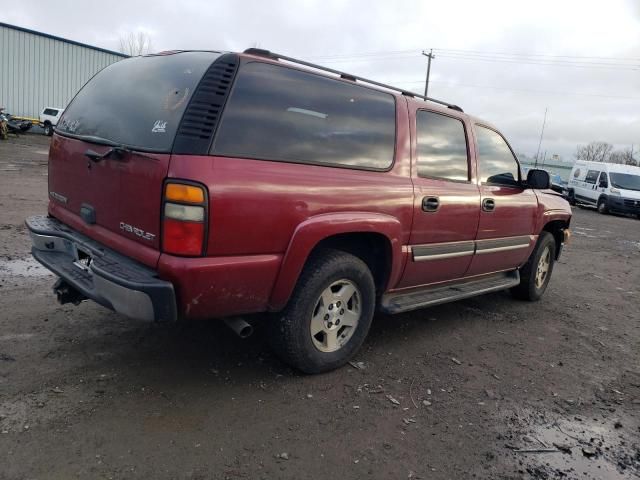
x=442 y=147
x=278 y=113
x=592 y=176
x=138 y=101
x=50 y=111
x=497 y=163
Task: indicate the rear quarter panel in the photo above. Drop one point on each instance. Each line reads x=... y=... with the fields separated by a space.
x=257 y=206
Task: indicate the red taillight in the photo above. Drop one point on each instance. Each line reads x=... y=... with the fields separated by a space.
x=182 y=238
x=184 y=219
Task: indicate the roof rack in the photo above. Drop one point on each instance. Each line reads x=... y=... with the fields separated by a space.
x=276 y=56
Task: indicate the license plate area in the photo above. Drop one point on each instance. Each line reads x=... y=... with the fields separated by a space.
x=83 y=259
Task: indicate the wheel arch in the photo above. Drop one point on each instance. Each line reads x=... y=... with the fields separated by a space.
x=374 y=238
x=557 y=228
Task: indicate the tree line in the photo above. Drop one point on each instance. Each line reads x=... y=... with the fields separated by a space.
x=604 y=152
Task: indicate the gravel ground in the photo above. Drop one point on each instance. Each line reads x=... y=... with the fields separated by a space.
x=484 y=388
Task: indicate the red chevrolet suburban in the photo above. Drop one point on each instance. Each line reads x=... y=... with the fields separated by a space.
x=194 y=184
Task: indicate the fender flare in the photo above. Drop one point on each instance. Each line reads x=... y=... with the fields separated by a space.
x=319 y=227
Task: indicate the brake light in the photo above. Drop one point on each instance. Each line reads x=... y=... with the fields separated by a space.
x=184 y=219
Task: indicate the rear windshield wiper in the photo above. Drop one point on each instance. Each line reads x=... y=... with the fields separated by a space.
x=119 y=152
x=116 y=148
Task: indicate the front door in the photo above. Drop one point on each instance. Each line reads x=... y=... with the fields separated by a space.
x=446 y=200
x=508 y=212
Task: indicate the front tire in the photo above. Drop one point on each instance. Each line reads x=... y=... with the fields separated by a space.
x=603 y=208
x=329 y=314
x=48 y=129
x=536 y=273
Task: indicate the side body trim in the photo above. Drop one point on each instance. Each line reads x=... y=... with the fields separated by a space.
x=439 y=251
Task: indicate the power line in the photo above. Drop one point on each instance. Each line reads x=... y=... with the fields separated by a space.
x=525 y=90
x=611 y=63
x=416 y=51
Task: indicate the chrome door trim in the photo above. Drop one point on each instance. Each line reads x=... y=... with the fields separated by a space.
x=441 y=251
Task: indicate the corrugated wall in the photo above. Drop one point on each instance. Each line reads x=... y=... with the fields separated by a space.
x=37 y=71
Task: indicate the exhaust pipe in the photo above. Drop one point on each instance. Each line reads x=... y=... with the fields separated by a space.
x=242 y=328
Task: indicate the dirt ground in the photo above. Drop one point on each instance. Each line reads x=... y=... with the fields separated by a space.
x=464 y=390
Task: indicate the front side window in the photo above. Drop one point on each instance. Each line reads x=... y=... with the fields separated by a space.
x=441 y=147
x=603 y=182
x=592 y=176
x=50 y=111
x=278 y=113
x=496 y=162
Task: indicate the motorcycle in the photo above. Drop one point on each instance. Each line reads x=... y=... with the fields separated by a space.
x=4 y=130
x=13 y=125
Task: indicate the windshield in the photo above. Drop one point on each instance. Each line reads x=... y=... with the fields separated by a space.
x=137 y=102
x=625 y=181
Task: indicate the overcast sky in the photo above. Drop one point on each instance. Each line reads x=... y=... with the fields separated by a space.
x=500 y=60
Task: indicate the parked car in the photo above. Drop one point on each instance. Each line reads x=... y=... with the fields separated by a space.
x=558 y=184
x=198 y=185
x=609 y=187
x=49 y=118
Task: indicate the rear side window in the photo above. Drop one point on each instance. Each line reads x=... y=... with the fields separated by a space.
x=278 y=113
x=442 y=147
x=50 y=111
x=592 y=176
x=138 y=102
x=497 y=163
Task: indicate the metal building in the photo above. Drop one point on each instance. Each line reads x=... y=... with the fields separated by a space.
x=38 y=70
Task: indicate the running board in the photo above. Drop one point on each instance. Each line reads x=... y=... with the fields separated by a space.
x=404 y=301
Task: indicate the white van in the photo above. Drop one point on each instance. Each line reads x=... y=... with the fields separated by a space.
x=608 y=186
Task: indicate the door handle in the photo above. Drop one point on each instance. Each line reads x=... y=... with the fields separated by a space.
x=488 y=205
x=430 y=204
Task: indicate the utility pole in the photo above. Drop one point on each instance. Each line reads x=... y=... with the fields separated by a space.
x=430 y=56
x=541 y=134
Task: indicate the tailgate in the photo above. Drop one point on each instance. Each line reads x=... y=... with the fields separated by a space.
x=111 y=150
x=120 y=193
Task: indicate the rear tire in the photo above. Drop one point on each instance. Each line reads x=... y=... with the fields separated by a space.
x=571 y=198
x=603 y=208
x=536 y=273
x=328 y=315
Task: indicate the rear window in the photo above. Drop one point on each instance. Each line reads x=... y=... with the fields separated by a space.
x=278 y=113
x=139 y=101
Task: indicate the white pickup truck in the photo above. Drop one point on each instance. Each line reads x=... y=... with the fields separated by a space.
x=49 y=119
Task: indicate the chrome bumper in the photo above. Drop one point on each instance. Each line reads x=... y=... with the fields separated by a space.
x=101 y=274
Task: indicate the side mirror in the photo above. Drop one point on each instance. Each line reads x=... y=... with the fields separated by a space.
x=538 y=179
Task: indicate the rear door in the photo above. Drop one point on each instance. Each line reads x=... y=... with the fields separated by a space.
x=111 y=152
x=508 y=212
x=446 y=200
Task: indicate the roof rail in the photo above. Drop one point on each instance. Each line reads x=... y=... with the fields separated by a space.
x=276 y=56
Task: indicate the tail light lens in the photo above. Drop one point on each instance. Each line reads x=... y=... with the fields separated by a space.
x=184 y=218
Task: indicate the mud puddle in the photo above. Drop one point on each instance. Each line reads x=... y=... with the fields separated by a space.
x=23 y=267
x=575 y=447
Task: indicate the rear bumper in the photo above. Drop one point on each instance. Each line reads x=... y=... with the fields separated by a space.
x=110 y=279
